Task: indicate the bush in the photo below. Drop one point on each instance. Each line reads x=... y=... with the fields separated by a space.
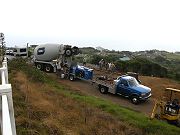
x=138 y=65
x=95 y=59
x=142 y=66
x=33 y=74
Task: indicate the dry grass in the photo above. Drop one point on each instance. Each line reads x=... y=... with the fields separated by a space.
x=39 y=109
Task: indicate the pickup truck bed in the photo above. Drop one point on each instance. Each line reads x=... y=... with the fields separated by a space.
x=108 y=84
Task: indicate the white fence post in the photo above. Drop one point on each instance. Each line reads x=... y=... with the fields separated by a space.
x=8 y=126
x=6 y=72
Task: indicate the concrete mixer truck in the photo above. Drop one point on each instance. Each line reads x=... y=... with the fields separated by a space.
x=53 y=57
x=59 y=58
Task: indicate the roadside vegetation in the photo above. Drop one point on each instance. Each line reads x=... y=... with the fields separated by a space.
x=151 y=63
x=139 y=65
x=43 y=106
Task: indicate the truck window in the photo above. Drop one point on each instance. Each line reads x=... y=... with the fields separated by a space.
x=40 y=51
x=23 y=50
x=15 y=50
x=11 y=54
x=124 y=82
x=118 y=78
x=133 y=82
x=23 y=54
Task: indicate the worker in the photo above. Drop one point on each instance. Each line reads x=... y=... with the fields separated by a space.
x=101 y=64
x=175 y=104
x=113 y=67
x=84 y=62
x=109 y=66
x=73 y=62
x=106 y=65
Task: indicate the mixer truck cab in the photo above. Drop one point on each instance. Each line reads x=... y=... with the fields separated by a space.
x=126 y=86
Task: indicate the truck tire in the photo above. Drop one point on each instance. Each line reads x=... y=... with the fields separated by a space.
x=103 y=89
x=39 y=66
x=68 y=52
x=157 y=116
x=48 y=68
x=71 y=78
x=134 y=99
x=75 y=50
x=178 y=123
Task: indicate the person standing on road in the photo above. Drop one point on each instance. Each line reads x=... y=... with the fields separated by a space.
x=106 y=65
x=84 y=62
x=109 y=66
x=101 y=64
x=113 y=67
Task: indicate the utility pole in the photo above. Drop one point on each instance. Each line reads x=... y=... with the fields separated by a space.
x=27 y=47
x=2 y=46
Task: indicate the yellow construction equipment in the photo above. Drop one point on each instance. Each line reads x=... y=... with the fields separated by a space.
x=168 y=110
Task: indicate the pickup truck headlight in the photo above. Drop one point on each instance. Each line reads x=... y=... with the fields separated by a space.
x=143 y=94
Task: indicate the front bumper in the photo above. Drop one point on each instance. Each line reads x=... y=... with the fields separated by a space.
x=146 y=97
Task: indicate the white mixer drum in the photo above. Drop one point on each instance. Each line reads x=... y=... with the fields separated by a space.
x=47 y=52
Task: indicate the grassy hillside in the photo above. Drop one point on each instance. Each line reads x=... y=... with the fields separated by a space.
x=43 y=106
x=151 y=63
x=173 y=56
x=88 y=50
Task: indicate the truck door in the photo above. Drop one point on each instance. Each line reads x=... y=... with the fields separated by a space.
x=123 y=87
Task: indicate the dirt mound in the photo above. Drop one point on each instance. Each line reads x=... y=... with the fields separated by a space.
x=158 y=85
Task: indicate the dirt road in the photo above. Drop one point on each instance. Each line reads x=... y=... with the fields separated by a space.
x=156 y=84
x=89 y=89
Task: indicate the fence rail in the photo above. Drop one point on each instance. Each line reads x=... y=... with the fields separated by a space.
x=7 y=120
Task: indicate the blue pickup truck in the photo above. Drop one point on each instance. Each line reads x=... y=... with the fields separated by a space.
x=126 y=86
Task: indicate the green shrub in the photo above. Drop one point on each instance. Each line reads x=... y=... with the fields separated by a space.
x=142 y=66
x=33 y=74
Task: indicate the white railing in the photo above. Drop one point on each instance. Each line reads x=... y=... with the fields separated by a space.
x=7 y=120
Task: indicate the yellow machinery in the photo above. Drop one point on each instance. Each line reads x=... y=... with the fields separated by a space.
x=168 y=110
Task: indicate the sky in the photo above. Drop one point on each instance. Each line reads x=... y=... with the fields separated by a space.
x=131 y=25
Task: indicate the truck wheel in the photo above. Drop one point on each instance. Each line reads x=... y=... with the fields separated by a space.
x=135 y=100
x=68 y=52
x=48 y=68
x=103 y=89
x=178 y=123
x=157 y=116
x=71 y=78
x=75 y=50
x=39 y=66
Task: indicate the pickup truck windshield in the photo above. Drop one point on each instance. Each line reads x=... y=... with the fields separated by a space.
x=133 y=82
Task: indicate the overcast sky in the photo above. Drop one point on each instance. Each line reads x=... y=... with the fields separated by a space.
x=113 y=24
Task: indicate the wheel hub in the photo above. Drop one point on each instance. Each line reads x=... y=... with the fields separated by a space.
x=134 y=100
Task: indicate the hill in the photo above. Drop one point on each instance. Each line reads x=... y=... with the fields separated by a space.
x=44 y=106
x=88 y=50
x=151 y=61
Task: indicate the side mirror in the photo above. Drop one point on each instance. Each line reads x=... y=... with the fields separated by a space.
x=139 y=81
